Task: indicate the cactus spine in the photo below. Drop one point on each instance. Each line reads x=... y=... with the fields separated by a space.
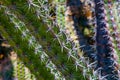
x=107 y=64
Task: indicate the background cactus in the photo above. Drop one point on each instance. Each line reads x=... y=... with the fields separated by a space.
x=59 y=40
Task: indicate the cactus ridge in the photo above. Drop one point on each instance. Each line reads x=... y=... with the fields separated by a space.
x=105 y=50
x=33 y=44
x=76 y=40
x=115 y=28
x=73 y=16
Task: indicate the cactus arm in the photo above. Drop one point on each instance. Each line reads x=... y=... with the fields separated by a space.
x=18 y=60
x=31 y=45
x=105 y=52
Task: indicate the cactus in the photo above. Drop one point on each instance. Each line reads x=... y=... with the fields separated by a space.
x=60 y=40
x=107 y=64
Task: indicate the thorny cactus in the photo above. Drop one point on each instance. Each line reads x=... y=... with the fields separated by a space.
x=60 y=40
x=106 y=56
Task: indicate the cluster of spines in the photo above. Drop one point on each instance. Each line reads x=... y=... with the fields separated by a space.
x=115 y=28
x=18 y=61
x=33 y=44
x=107 y=65
x=11 y=66
x=72 y=52
x=45 y=20
x=72 y=16
x=24 y=34
x=118 y=9
x=58 y=36
x=70 y=23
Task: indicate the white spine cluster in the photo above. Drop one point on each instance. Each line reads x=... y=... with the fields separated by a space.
x=42 y=11
x=34 y=44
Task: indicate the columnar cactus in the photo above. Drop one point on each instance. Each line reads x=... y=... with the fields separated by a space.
x=107 y=64
x=114 y=24
x=55 y=40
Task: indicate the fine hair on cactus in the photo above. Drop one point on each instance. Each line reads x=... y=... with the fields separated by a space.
x=59 y=39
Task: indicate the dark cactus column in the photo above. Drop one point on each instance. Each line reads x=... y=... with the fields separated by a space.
x=107 y=64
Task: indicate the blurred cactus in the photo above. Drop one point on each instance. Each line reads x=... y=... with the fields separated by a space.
x=60 y=40
x=107 y=64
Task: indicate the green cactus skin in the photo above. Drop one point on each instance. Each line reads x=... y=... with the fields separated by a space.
x=51 y=50
x=115 y=29
x=66 y=65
